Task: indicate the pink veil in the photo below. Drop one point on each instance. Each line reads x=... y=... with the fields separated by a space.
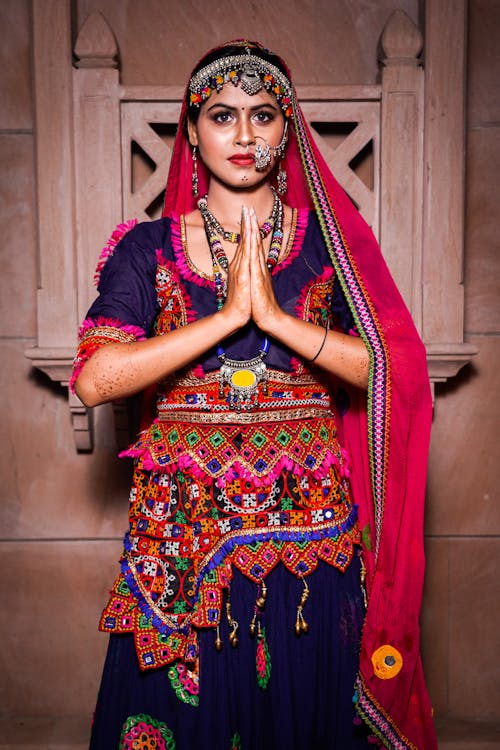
x=386 y=434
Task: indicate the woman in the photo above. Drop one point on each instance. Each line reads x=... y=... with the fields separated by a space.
x=259 y=323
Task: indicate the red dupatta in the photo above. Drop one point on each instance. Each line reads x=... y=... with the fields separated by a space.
x=386 y=435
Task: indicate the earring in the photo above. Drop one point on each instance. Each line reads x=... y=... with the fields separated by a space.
x=194 y=176
x=279 y=150
x=282 y=180
x=262 y=156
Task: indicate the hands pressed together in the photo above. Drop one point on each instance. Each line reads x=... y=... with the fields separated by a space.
x=250 y=292
x=118 y=370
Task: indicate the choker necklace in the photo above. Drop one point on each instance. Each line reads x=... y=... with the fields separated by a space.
x=214 y=229
x=241 y=376
x=235 y=237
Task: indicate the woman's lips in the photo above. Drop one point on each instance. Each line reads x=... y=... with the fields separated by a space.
x=242 y=160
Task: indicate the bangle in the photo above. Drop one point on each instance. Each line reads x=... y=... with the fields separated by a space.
x=320 y=348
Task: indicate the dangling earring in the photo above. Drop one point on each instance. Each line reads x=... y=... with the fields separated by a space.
x=282 y=180
x=194 y=176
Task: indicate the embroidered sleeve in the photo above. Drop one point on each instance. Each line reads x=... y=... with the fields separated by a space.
x=127 y=306
x=96 y=332
x=315 y=302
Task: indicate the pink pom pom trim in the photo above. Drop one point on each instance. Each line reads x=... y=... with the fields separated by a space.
x=108 y=250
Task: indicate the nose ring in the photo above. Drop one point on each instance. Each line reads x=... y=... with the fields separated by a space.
x=262 y=155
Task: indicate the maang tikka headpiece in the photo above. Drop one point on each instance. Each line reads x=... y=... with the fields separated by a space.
x=249 y=71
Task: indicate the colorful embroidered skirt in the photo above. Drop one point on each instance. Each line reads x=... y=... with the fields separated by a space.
x=307 y=704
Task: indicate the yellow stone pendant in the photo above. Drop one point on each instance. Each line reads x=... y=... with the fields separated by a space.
x=243 y=379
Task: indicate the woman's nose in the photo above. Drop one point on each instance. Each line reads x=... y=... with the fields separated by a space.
x=245 y=135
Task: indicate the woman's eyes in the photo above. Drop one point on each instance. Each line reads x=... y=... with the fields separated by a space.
x=222 y=117
x=261 y=117
x=264 y=116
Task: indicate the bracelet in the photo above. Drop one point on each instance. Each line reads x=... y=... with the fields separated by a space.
x=321 y=347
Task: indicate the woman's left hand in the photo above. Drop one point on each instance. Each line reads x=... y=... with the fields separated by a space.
x=265 y=307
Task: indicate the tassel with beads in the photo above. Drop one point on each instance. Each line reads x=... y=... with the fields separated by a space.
x=263 y=659
x=261 y=599
x=260 y=603
x=233 y=624
x=301 y=625
x=218 y=640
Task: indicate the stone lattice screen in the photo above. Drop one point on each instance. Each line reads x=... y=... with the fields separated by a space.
x=347 y=133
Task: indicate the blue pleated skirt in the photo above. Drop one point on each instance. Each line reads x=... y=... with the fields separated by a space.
x=307 y=704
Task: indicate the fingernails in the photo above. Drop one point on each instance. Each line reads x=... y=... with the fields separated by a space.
x=248 y=213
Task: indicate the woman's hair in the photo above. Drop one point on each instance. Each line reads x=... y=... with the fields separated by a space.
x=231 y=49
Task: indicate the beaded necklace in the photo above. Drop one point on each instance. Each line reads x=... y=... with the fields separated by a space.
x=234 y=236
x=241 y=376
x=213 y=228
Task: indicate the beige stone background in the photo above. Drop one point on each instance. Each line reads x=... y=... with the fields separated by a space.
x=62 y=513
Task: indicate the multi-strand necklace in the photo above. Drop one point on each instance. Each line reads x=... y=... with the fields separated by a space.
x=242 y=376
x=265 y=228
x=214 y=230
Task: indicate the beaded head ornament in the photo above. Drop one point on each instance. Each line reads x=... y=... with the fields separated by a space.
x=247 y=70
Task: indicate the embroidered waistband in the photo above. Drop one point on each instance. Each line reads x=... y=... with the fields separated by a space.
x=288 y=397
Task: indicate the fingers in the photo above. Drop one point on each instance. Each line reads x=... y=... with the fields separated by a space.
x=240 y=258
x=264 y=304
x=238 y=281
x=242 y=250
x=257 y=251
x=251 y=248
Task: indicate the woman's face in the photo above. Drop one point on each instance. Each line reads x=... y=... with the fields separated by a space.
x=230 y=125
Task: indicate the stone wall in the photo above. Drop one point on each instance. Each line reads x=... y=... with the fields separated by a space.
x=63 y=513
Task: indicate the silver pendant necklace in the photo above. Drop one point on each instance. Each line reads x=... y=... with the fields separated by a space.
x=243 y=377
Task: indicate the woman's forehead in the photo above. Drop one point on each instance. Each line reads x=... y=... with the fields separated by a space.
x=234 y=96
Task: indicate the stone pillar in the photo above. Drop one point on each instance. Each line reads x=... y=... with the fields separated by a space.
x=57 y=319
x=444 y=155
x=402 y=119
x=98 y=194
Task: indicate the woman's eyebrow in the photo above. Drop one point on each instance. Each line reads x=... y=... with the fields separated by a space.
x=236 y=109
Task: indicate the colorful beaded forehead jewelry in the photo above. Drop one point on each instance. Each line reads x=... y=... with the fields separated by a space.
x=249 y=71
